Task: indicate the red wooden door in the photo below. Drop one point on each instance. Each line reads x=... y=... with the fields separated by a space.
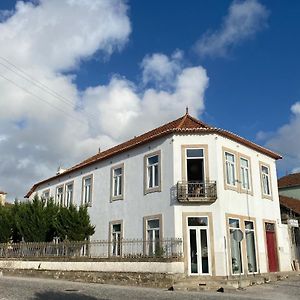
x=272 y=250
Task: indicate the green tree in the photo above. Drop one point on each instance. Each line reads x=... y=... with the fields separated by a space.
x=30 y=220
x=5 y=224
x=41 y=221
x=74 y=224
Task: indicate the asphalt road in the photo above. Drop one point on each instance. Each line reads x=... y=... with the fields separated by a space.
x=16 y=288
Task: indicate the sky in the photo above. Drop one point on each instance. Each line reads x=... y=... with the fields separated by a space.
x=76 y=76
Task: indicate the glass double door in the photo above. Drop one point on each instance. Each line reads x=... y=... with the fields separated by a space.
x=199 y=248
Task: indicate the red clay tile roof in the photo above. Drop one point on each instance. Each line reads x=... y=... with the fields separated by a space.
x=289 y=180
x=2 y=193
x=290 y=203
x=184 y=124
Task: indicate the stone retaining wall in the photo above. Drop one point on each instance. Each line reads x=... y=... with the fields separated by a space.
x=144 y=279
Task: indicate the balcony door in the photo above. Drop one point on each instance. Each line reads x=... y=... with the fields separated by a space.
x=195 y=165
x=199 y=246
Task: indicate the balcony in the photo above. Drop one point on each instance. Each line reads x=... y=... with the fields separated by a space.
x=197 y=192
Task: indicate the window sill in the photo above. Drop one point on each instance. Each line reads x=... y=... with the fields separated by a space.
x=269 y=197
x=116 y=198
x=152 y=190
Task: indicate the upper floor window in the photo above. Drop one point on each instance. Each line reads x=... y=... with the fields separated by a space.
x=46 y=194
x=230 y=169
x=265 y=180
x=152 y=172
x=69 y=194
x=59 y=198
x=87 y=187
x=117 y=182
x=245 y=173
x=195 y=165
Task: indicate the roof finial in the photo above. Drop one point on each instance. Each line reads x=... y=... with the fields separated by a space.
x=187 y=110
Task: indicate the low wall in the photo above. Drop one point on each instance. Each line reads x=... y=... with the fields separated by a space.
x=91 y=266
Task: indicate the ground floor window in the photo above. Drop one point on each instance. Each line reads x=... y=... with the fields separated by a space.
x=153 y=236
x=251 y=249
x=235 y=247
x=116 y=238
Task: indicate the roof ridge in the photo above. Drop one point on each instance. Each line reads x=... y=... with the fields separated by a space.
x=182 y=121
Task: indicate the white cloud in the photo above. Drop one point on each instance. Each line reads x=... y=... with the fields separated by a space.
x=286 y=141
x=38 y=135
x=243 y=21
x=159 y=68
x=57 y=34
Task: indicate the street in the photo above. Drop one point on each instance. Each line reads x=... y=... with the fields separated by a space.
x=16 y=288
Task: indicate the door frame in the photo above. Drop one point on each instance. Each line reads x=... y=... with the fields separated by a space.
x=198 y=242
x=210 y=232
x=266 y=247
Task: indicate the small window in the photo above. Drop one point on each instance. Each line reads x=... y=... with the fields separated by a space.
x=69 y=194
x=152 y=173
x=245 y=174
x=46 y=195
x=197 y=221
x=87 y=191
x=265 y=178
x=230 y=169
x=117 y=182
x=152 y=168
x=59 y=198
x=194 y=153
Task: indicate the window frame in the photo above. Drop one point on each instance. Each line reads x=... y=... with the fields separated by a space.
x=242 y=219
x=110 y=237
x=267 y=196
x=65 y=192
x=43 y=195
x=238 y=178
x=242 y=190
x=158 y=188
x=146 y=219
x=255 y=244
x=184 y=159
x=228 y=186
x=89 y=204
x=112 y=182
x=241 y=247
x=61 y=202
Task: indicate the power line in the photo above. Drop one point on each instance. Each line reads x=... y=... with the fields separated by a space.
x=41 y=99
x=41 y=85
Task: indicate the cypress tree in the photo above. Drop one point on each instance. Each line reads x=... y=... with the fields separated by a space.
x=5 y=224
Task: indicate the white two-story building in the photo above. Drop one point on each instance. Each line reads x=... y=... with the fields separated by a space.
x=184 y=180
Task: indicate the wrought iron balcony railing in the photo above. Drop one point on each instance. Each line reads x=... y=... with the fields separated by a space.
x=204 y=192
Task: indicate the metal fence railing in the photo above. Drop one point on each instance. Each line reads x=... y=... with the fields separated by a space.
x=132 y=249
x=196 y=191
